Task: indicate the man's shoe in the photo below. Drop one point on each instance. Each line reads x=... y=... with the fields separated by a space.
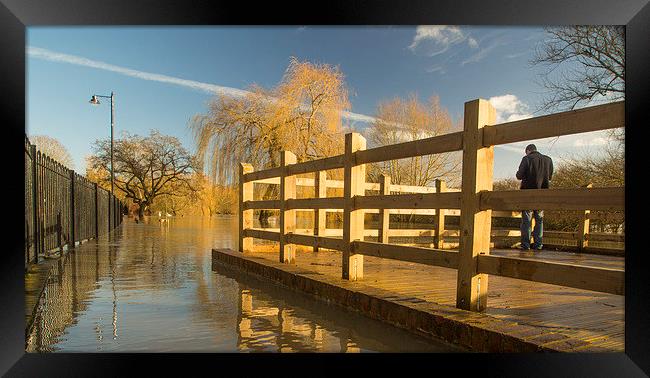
x=522 y=248
x=536 y=248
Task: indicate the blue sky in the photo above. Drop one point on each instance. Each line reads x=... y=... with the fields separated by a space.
x=164 y=76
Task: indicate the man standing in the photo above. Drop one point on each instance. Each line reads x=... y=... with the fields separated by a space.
x=535 y=172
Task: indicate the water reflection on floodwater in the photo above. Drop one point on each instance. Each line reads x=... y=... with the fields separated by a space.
x=152 y=288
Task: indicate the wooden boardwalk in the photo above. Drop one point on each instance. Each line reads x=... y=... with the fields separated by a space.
x=594 y=317
x=561 y=293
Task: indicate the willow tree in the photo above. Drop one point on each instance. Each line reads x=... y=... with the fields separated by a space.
x=145 y=167
x=403 y=120
x=302 y=114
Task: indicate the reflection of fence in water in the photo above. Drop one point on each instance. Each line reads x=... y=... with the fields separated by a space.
x=71 y=285
x=289 y=333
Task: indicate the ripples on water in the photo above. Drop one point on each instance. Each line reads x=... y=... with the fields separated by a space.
x=152 y=288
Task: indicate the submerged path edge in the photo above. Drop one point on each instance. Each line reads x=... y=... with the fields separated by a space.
x=476 y=331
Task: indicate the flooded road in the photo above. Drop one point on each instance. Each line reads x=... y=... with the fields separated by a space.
x=152 y=288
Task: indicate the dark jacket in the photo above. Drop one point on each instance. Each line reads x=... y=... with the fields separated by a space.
x=535 y=171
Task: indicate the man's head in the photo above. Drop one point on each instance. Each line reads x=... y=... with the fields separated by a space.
x=530 y=148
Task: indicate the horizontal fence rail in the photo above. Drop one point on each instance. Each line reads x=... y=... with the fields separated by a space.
x=610 y=199
x=451 y=232
x=409 y=201
x=581 y=277
x=595 y=118
x=475 y=204
x=62 y=208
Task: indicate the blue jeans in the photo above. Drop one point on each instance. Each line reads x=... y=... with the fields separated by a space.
x=526 y=219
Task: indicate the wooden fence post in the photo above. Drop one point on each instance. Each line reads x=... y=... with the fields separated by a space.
x=96 y=211
x=384 y=214
x=320 y=216
x=439 y=219
x=583 y=243
x=287 y=217
x=354 y=185
x=35 y=202
x=73 y=235
x=245 y=216
x=475 y=225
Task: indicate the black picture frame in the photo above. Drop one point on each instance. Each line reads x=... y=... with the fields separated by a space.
x=16 y=15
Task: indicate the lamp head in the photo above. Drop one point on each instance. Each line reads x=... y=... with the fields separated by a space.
x=94 y=100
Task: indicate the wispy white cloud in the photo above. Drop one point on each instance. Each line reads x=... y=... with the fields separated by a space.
x=440 y=38
x=40 y=53
x=53 y=56
x=516 y=55
x=480 y=55
x=440 y=69
x=358 y=117
x=563 y=144
x=509 y=108
x=456 y=45
x=510 y=148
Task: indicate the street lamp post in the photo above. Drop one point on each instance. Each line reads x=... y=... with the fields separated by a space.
x=95 y=101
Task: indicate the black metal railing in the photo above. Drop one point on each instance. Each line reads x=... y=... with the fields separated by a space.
x=62 y=208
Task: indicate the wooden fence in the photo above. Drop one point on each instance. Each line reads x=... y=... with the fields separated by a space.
x=62 y=208
x=475 y=203
x=440 y=233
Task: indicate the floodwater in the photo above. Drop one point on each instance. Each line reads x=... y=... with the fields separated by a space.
x=148 y=287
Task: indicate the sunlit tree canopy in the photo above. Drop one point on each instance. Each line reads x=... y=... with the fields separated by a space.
x=53 y=148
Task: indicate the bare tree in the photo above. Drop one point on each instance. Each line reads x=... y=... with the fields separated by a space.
x=601 y=170
x=53 y=148
x=583 y=63
x=145 y=167
x=181 y=197
x=402 y=120
x=506 y=184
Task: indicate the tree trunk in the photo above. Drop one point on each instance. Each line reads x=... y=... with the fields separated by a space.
x=141 y=207
x=270 y=192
